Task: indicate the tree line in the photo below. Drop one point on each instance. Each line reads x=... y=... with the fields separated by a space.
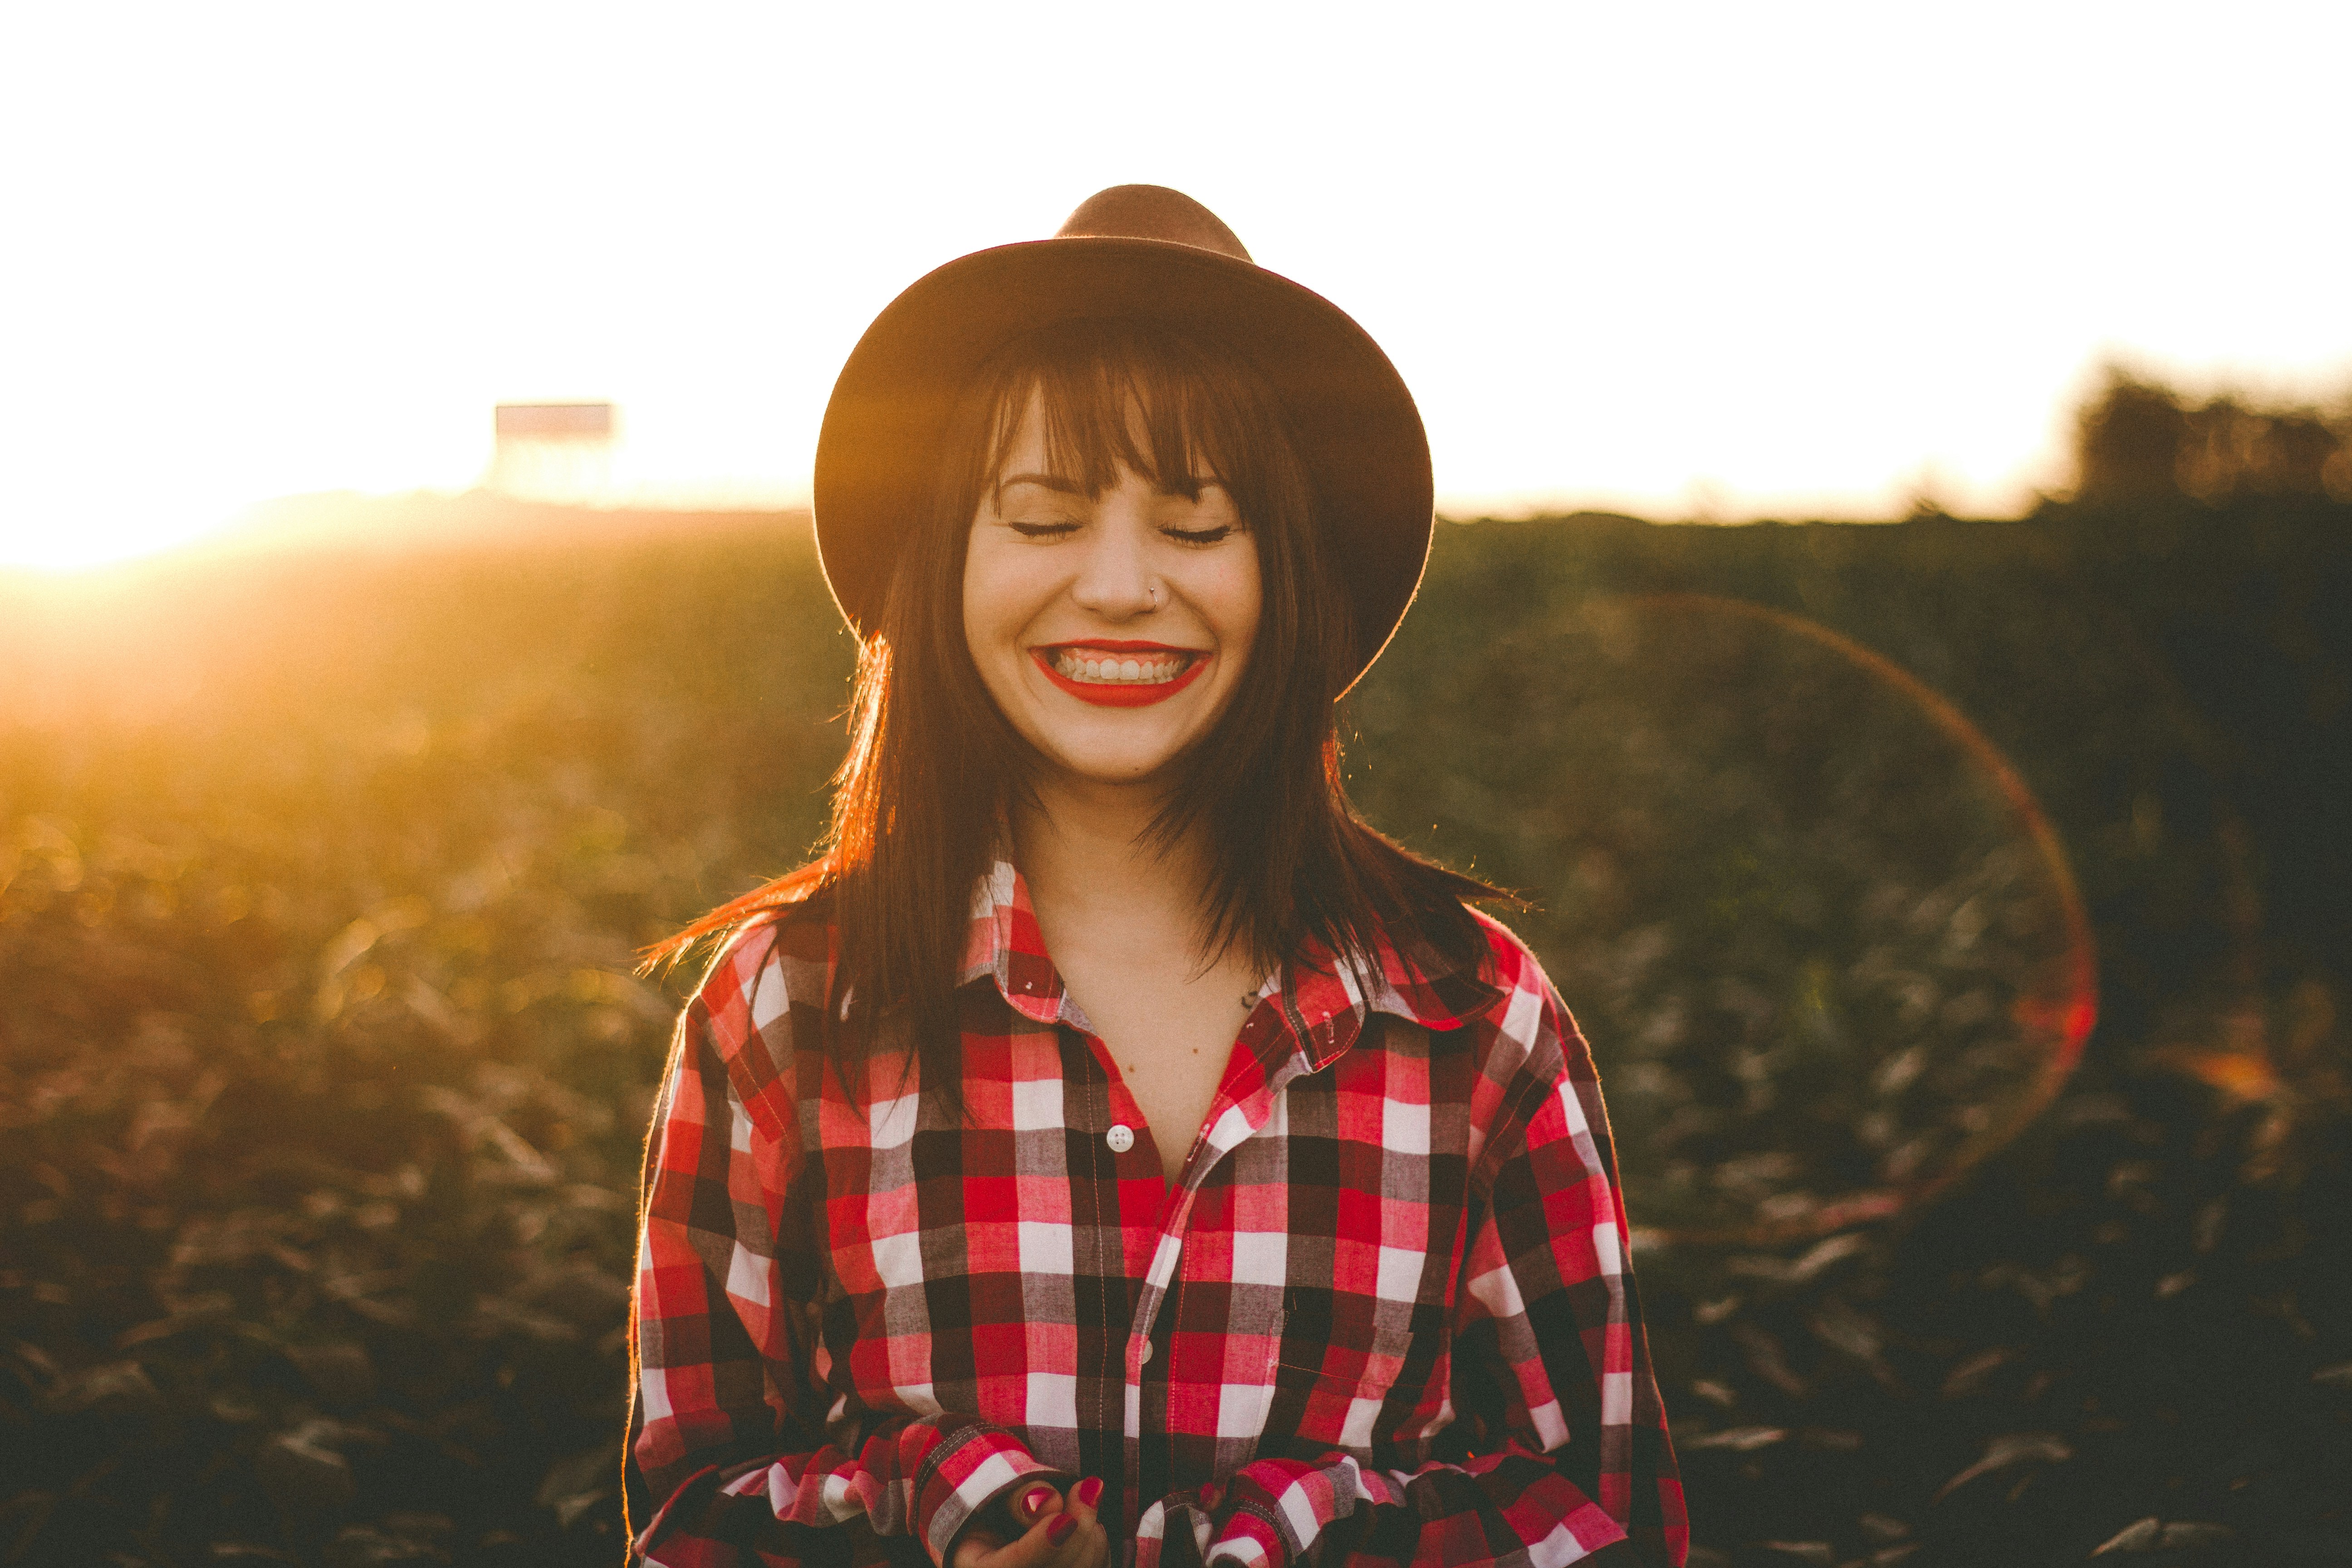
x=2139 y=439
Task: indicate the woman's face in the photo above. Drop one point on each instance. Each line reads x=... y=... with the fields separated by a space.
x=1111 y=631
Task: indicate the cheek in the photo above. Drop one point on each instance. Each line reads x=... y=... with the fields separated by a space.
x=987 y=597
x=974 y=605
x=1243 y=602
x=1003 y=592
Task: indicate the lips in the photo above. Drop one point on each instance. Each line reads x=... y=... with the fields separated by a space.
x=1120 y=674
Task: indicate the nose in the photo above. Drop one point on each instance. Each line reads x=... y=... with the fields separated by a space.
x=1115 y=578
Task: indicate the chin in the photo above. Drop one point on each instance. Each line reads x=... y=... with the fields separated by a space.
x=1121 y=761
x=1106 y=747
x=1099 y=770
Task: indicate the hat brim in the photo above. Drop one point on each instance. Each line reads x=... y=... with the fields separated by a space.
x=1359 y=434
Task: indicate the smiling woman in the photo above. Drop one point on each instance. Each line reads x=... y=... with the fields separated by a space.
x=1088 y=539
x=1112 y=1150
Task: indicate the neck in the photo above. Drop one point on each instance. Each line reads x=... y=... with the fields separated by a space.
x=1082 y=849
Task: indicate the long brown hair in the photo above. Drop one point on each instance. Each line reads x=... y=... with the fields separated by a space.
x=919 y=803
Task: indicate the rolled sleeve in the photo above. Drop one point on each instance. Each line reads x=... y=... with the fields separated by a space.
x=731 y=1444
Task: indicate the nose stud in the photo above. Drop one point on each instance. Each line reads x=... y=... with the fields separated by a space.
x=1151 y=594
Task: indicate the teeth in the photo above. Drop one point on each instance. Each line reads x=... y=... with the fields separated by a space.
x=1151 y=670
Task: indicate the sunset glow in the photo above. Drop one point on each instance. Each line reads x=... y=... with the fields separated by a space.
x=1691 y=260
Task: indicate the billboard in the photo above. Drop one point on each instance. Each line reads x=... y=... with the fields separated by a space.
x=555 y=421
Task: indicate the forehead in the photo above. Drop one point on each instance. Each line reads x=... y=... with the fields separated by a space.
x=1034 y=422
x=1091 y=433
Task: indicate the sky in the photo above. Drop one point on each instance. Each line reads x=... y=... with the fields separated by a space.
x=1684 y=261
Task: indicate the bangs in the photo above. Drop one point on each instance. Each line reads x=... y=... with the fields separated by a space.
x=1115 y=394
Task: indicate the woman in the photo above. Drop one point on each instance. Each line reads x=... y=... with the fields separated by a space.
x=1112 y=1151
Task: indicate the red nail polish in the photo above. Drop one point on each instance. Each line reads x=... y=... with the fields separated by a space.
x=1090 y=1491
x=1059 y=1531
x=1034 y=1499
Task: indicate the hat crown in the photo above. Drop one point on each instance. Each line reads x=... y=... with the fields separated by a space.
x=1151 y=212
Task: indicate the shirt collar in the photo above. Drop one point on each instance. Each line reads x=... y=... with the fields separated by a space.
x=1323 y=1002
x=1006 y=946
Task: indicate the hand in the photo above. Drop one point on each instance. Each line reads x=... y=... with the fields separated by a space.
x=1054 y=1531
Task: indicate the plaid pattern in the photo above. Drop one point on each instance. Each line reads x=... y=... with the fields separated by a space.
x=1385 y=1316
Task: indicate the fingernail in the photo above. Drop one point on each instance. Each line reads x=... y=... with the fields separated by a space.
x=1090 y=1491
x=1059 y=1531
x=1034 y=1499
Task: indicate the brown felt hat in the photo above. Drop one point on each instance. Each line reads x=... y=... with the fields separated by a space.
x=1141 y=252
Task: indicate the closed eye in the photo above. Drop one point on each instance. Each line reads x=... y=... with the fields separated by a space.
x=1198 y=535
x=1053 y=530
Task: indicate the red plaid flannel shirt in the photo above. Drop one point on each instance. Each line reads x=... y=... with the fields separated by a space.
x=1385 y=1316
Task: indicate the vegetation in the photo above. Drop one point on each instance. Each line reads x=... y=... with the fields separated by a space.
x=323 y=1070
x=2140 y=441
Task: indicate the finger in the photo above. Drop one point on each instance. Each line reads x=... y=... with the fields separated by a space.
x=1059 y=1533
x=1076 y=1543
x=1087 y=1545
x=1038 y=1547
x=974 y=1547
x=1034 y=1503
x=1006 y=1517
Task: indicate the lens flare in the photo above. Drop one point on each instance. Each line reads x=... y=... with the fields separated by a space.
x=1824 y=939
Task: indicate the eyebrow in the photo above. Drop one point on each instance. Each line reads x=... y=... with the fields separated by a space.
x=1062 y=485
x=1054 y=482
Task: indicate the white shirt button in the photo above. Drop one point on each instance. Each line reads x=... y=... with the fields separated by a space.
x=1146 y=1357
x=1121 y=1138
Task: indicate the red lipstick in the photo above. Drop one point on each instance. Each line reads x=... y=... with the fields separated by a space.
x=1122 y=694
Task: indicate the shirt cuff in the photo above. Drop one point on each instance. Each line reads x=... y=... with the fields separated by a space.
x=960 y=1476
x=1252 y=1530
x=1236 y=1523
x=1248 y=1541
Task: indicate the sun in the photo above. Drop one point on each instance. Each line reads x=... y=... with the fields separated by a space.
x=79 y=534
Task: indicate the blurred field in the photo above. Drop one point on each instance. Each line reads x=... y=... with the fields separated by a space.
x=323 y=1073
